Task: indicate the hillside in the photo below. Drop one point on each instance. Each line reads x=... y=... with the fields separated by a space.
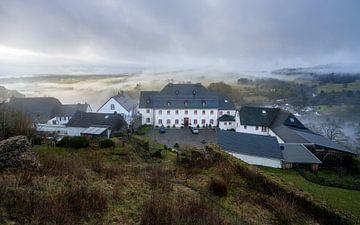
x=133 y=184
x=5 y=94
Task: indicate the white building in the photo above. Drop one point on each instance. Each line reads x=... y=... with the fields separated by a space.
x=62 y=114
x=183 y=105
x=122 y=104
x=227 y=122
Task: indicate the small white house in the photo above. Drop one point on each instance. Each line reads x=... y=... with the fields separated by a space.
x=226 y=122
x=121 y=104
x=61 y=115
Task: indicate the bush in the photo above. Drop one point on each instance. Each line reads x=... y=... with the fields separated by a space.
x=73 y=142
x=218 y=186
x=36 y=140
x=176 y=145
x=355 y=164
x=106 y=143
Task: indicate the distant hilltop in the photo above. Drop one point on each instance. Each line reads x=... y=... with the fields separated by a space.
x=6 y=94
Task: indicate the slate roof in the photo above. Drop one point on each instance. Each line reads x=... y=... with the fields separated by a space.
x=126 y=101
x=226 y=118
x=39 y=109
x=178 y=96
x=86 y=119
x=257 y=116
x=291 y=130
x=298 y=153
x=69 y=109
x=249 y=144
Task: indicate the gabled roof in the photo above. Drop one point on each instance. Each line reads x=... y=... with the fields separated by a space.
x=257 y=116
x=291 y=130
x=86 y=119
x=69 y=109
x=147 y=99
x=298 y=153
x=249 y=144
x=179 y=96
x=125 y=100
x=226 y=117
x=40 y=109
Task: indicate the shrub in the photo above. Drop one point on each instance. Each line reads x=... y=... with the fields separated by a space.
x=355 y=164
x=36 y=140
x=176 y=145
x=218 y=186
x=180 y=210
x=106 y=143
x=73 y=142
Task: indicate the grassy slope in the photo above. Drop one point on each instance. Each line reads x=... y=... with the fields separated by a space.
x=341 y=199
x=354 y=86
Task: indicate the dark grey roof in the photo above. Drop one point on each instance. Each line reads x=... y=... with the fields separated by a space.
x=126 y=101
x=249 y=144
x=147 y=99
x=226 y=118
x=69 y=109
x=87 y=119
x=40 y=109
x=298 y=153
x=257 y=116
x=291 y=130
x=177 y=96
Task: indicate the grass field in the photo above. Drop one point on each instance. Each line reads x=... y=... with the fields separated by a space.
x=354 y=86
x=347 y=201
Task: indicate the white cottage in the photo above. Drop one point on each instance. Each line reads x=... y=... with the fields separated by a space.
x=122 y=104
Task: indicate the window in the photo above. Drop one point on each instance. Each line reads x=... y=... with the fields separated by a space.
x=211 y=121
x=54 y=122
x=160 y=112
x=212 y=112
x=257 y=128
x=176 y=121
x=176 y=112
x=203 y=112
x=148 y=111
x=203 y=103
x=225 y=123
x=185 y=103
x=229 y=123
x=168 y=112
x=148 y=120
x=168 y=103
x=263 y=129
x=195 y=121
x=112 y=106
x=228 y=112
x=245 y=127
x=186 y=112
x=221 y=112
x=160 y=121
x=203 y=121
x=168 y=121
x=195 y=112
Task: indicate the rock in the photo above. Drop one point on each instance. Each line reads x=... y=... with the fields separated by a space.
x=16 y=152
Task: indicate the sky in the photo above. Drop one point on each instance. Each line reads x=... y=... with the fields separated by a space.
x=114 y=36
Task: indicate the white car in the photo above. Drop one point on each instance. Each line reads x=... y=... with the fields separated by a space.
x=194 y=130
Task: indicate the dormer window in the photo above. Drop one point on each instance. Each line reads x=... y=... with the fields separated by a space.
x=203 y=103
x=194 y=92
x=168 y=103
x=148 y=101
x=263 y=111
x=185 y=103
x=226 y=101
x=177 y=92
x=292 y=120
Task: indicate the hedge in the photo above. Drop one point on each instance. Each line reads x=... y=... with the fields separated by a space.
x=73 y=142
x=106 y=143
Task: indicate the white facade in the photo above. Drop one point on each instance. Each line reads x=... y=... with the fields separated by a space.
x=257 y=160
x=260 y=130
x=62 y=120
x=227 y=125
x=182 y=117
x=112 y=106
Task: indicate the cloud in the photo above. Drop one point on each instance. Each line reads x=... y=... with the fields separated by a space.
x=53 y=36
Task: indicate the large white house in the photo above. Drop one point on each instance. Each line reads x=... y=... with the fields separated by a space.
x=183 y=105
x=122 y=104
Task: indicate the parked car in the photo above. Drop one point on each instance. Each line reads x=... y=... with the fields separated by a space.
x=162 y=130
x=194 y=130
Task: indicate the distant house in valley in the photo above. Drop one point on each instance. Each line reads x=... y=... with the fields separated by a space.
x=183 y=105
x=122 y=104
x=95 y=124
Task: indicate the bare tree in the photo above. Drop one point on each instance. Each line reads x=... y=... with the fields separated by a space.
x=333 y=131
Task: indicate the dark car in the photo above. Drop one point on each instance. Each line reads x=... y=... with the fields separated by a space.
x=162 y=130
